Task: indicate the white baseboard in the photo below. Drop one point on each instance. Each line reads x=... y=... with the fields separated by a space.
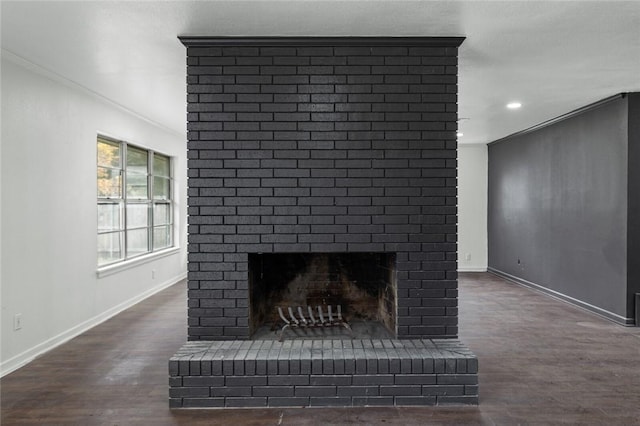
x=472 y=269
x=29 y=355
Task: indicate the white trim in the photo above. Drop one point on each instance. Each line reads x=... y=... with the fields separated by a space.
x=105 y=271
x=472 y=269
x=29 y=355
x=611 y=316
x=52 y=75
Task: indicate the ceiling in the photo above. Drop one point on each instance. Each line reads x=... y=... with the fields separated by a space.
x=553 y=57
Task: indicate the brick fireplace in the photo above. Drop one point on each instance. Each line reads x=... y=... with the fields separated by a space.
x=322 y=171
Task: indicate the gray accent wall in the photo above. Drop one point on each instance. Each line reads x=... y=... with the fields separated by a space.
x=558 y=208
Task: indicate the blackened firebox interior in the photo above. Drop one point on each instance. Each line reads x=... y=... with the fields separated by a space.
x=363 y=284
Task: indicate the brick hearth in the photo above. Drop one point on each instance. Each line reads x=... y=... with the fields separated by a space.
x=301 y=373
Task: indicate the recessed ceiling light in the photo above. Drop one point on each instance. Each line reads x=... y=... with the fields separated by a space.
x=514 y=105
x=459 y=134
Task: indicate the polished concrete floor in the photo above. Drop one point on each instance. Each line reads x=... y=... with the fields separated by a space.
x=541 y=362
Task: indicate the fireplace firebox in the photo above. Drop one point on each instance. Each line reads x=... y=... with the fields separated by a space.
x=363 y=285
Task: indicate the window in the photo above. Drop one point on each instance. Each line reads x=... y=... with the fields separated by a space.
x=135 y=212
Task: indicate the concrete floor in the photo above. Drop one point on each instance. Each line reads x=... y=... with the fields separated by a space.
x=541 y=362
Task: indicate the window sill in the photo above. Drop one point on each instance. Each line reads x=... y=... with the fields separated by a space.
x=105 y=271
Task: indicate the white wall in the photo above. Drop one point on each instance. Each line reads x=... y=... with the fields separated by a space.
x=49 y=213
x=472 y=208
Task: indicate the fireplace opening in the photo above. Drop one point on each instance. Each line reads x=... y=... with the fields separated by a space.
x=363 y=285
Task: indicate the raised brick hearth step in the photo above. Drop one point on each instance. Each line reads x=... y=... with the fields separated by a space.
x=307 y=373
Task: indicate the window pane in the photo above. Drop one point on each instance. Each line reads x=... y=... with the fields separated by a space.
x=161 y=165
x=109 y=217
x=161 y=188
x=137 y=160
x=161 y=237
x=108 y=153
x=137 y=242
x=125 y=201
x=109 y=183
x=137 y=185
x=161 y=214
x=109 y=247
x=137 y=215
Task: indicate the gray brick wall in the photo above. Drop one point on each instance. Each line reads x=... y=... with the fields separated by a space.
x=322 y=148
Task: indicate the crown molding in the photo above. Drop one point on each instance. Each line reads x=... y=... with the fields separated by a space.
x=202 y=41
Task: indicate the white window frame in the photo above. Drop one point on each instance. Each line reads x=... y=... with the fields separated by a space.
x=128 y=259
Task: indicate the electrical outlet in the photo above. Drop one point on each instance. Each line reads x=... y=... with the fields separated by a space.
x=467 y=257
x=153 y=274
x=17 y=322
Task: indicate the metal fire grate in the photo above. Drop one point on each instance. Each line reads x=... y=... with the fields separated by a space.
x=325 y=319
